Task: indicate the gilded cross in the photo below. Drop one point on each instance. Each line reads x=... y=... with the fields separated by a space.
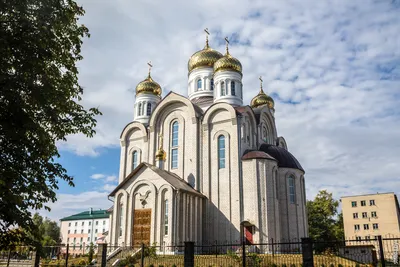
x=207 y=34
x=261 y=81
x=150 y=66
x=227 y=43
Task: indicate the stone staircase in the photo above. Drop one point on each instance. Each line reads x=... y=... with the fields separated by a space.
x=119 y=254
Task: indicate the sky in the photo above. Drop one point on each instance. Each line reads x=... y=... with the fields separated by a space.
x=332 y=67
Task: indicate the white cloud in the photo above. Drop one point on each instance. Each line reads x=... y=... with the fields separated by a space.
x=69 y=204
x=111 y=178
x=97 y=176
x=109 y=187
x=337 y=62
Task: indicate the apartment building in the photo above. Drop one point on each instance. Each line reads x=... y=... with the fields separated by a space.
x=367 y=216
x=79 y=230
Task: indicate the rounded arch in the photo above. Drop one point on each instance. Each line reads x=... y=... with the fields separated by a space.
x=167 y=101
x=267 y=118
x=281 y=142
x=137 y=184
x=130 y=127
x=218 y=106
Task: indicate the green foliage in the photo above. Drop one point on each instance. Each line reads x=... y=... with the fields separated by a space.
x=40 y=44
x=332 y=265
x=254 y=259
x=323 y=225
x=91 y=252
x=234 y=256
x=340 y=265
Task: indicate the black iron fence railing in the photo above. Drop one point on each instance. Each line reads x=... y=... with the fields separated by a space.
x=376 y=251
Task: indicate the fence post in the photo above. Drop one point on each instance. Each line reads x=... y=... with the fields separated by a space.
x=381 y=253
x=273 y=248
x=188 y=257
x=142 y=256
x=104 y=255
x=66 y=256
x=244 y=252
x=307 y=251
x=36 y=260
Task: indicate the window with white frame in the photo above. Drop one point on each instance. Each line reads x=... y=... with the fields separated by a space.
x=366 y=226
x=221 y=152
x=356 y=227
x=148 y=109
x=355 y=215
x=140 y=109
x=233 y=89
x=212 y=84
x=222 y=88
x=134 y=159
x=120 y=219
x=199 y=84
x=372 y=202
x=292 y=190
x=373 y=214
x=174 y=145
x=375 y=226
x=166 y=217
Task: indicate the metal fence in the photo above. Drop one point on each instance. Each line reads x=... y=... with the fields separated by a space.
x=378 y=251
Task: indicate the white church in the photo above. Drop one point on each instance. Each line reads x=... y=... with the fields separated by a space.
x=205 y=167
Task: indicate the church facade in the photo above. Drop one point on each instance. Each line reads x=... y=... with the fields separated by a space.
x=206 y=167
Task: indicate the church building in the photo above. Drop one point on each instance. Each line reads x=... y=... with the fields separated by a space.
x=205 y=167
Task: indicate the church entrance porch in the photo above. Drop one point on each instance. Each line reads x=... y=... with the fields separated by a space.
x=141 y=227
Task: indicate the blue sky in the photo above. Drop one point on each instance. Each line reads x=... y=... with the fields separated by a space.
x=331 y=66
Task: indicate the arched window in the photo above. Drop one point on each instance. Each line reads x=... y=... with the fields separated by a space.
x=140 y=109
x=134 y=159
x=174 y=145
x=233 y=91
x=264 y=134
x=221 y=152
x=120 y=218
x=292 y=190
x=199 y=84
x=212 y=84
x=222 y=88
x=148 y=109
x=166 y=217
x=142 y=112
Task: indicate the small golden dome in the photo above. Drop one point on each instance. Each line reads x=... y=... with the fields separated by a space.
x=227 y=62
x=203 y=58
x=161 y=155
x=262 y=99
x=148 y=86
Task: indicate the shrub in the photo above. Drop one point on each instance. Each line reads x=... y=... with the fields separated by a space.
x=332 y=265
x=292 y=265
x=284 y=265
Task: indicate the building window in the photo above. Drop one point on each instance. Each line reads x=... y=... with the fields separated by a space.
x=140 y=109
x=69 y=225
x=264 y=134
x=372 y=202
x=95 y=238
x=199 y=84
x=366 y=238
x=134 y=159
x=364 y=215
x=74 y=240
x=373 y=214
x=292 y=191
x=120 y=218
x=355 y=215
x=375 y=226
x=212 y=84
x=356 y=227
x=95 y=231
x=88 y=239
x=166 y=217
x=76 y=223
x=89 y=231
x=82 y=231
x=354 y=204
x=81 y=239
x=68 y=240
x=358 y=238
x=69 y=231
x=90 y=223
x=366 y=226
x=148 y=109
x=104 y=230
x=363 y=203
x=221 y=152
x=104 y=222
x=222 y=88
x=83 y=223
x=74 y=231
x=233 y=90
x=174 y=145
x=276 y=184
x=97 y=222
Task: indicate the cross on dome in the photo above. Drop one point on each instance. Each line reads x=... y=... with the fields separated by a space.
x=207 y=34
x=150 y=66
x=227 y=44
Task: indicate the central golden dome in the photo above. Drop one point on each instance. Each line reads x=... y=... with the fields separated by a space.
x=148 y=86
x=262 y=99
x=203 y=58
x=228 y=62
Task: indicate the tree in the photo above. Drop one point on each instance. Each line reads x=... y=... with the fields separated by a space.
x=48 y=230
x=323 y=226
x=40 y=44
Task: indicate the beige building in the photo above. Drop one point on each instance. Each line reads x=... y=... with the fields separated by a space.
x=367 y=216
x=196 y=168
x=82 y=229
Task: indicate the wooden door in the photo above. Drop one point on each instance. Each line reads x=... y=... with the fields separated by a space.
x=141 y=227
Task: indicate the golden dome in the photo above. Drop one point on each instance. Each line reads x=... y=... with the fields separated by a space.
x=203 y=58
x=228 y=62
x=161 y=155
x=262 y=99
x=148 y=86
